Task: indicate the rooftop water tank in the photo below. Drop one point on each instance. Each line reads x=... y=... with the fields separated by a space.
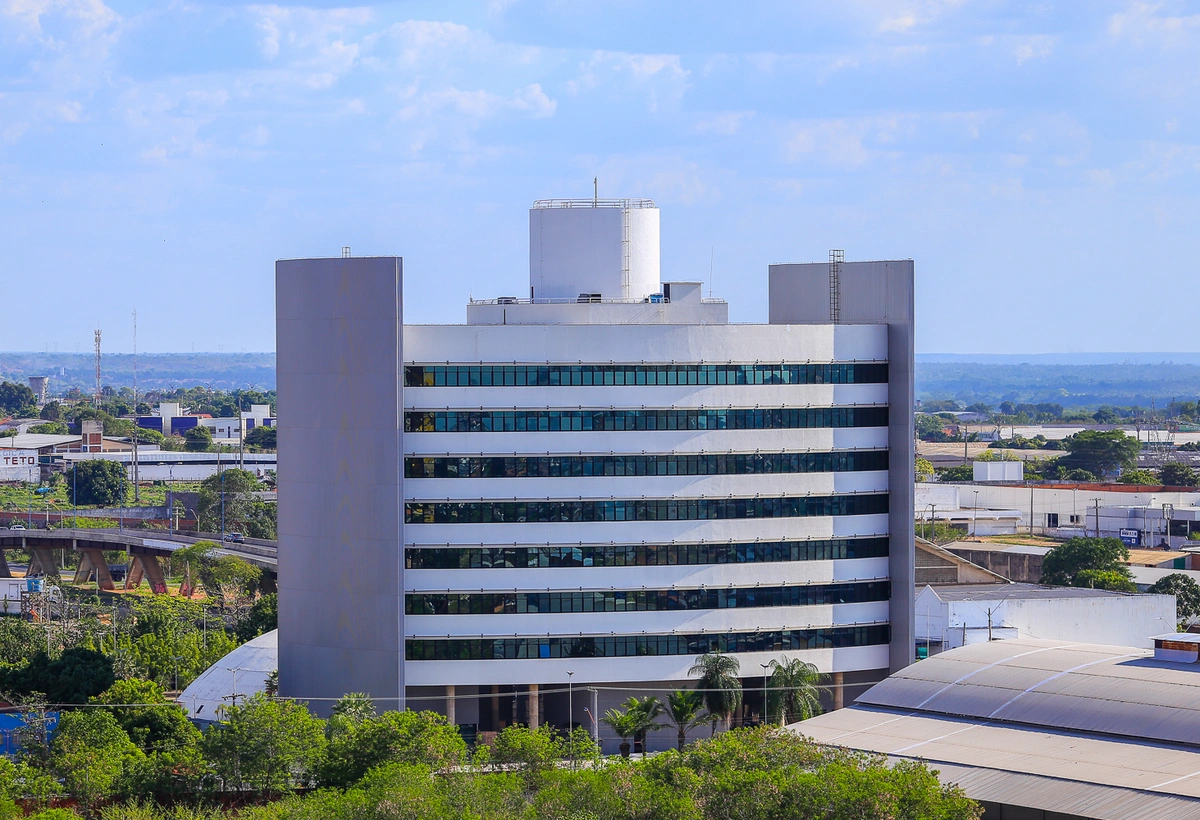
x=608 y=247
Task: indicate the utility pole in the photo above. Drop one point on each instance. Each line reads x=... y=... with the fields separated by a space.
x=97 y=396
x=1096 y=501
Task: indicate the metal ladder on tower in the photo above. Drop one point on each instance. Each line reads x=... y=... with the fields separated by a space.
x=625 y=249
x=836 y=258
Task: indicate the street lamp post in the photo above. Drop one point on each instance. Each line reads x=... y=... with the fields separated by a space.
x=766 y=717
x=975 y=516
x=571 y=714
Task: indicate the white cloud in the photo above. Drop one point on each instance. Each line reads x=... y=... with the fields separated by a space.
x=1034 y=48
x=848 y=142
x=725 y=124
x=661 y=77
x=1142 y=24
x=476 y=106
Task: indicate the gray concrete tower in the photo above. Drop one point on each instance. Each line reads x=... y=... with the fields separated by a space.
x=865 y=293
x=338 y=341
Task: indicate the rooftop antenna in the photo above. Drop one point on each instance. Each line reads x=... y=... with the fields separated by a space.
x=97 y=396
x=595 y=191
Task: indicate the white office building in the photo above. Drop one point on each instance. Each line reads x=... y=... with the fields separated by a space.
x=605 y=479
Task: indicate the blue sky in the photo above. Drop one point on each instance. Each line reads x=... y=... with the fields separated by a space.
x=1040 y=161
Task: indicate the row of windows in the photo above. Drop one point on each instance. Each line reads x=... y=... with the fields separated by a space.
x=553 y=421
x=627 y=646
x=641 y=374
x=642 y=600
x=692 y=509
x=643 y=465
x=643 y=555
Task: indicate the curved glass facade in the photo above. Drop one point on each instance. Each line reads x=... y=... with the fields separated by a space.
x=691 y=509
x=581 y=375
x=629 y=646
x=642 y=600
x=613 y=420
x=642 y=555
x=564 y=466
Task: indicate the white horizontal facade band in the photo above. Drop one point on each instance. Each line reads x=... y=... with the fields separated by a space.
x=685 y=621
x=628 y=670
x=649 y=396
x=659 y=487
x=684 y=344
x=650 y=532
x=652 y=441
x=665 y=577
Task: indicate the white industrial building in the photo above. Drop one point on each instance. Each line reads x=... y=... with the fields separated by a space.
x=953 y=615
x=1138 y=515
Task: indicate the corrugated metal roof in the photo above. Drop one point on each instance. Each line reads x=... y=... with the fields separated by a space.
x=1050 y=770
x=1094 y=731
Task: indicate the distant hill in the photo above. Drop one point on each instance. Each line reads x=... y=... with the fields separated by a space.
x=225 y=371
x=1059 y=358
x=1071 y=385
x=1088 y=379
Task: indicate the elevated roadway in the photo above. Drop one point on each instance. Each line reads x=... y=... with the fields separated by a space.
x=144 y=548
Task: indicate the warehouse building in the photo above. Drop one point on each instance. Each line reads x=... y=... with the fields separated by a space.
x=1043 y=730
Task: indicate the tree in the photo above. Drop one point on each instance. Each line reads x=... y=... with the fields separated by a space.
x=1186 y=592
x=645 y=712
x=51 y=411
x=198 y=439
x=794 y=690
x=412 y=738
x=623 y=724
x=89 y=752
x=962 y=472
x=1100 y=451
x=242 y=511
x=71 y=678
x=1174 y=474
x=720 y=685
x=1111 y=579
x=262 y=617
x=1077 y=562
x=685 y=708
x=1106 y=415
x=261 y=438
x=923 y=468
x=265 y=745
x=349 y=711
x=100 y=483
x=533 y=752
x=151 y=721
x=52 y=428
x=1142 y=477
x=17 y=399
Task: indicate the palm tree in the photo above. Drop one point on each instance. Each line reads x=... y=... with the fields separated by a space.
x=795 y=690
x=348 y=711
x=645 y=712
x=719 y=684
x=684 y=707
x=624 y=724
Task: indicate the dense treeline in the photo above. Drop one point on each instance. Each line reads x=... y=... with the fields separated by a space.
x=413 y=766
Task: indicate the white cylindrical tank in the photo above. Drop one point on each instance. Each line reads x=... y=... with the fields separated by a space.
x=608 y=247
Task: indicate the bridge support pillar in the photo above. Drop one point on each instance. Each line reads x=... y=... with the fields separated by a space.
x=146 y=566
x=5 y=572
x=41 y=560
x=92 y=562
